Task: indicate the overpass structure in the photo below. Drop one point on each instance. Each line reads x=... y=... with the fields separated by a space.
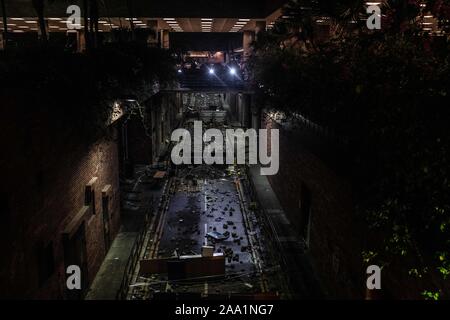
x=235 y=23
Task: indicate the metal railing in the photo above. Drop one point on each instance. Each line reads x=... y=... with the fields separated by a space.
x=269 y=231
x=133 y=259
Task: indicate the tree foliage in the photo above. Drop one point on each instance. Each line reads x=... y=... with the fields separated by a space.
x=78 y=90
x=388 y=92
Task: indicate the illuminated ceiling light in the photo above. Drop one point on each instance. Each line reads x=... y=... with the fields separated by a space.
x=23 y=27
x=18 y=31
x=30 y=22
x=54 y=19
x=17 y=19
x=244 y=20
x=169 y=19
x=207 y=19
x=428 y=16
x=11 y=24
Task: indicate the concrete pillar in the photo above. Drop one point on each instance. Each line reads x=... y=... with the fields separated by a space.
x=164 y=37
x=260 y=26
x=244 y=110
x=47 y=30
x=256 y=114
x=239 y=112
x=153 y=27
x=247 y=41
x=81 y=41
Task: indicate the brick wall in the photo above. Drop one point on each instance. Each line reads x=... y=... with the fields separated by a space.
x=335 y=241
x=43 y=187
x=337 y=234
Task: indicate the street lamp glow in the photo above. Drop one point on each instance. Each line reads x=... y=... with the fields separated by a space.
x=211 y=71
x=233 y=71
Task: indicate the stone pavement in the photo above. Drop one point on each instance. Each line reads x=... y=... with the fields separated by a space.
x=136 y=194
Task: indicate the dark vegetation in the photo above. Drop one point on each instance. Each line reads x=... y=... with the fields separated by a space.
x=387 y=92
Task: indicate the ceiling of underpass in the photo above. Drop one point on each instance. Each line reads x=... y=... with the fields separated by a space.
x=174 y=15
x=255 y=9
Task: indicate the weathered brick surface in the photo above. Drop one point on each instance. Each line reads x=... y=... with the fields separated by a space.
x=43 y=183
x=335 y=239
x=338 y=235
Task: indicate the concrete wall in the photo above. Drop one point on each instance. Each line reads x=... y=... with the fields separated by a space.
x=147 y=138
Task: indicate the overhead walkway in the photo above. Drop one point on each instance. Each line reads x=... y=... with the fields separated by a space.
x=196 y=81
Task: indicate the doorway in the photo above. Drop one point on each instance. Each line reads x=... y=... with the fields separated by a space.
x=75 y=254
